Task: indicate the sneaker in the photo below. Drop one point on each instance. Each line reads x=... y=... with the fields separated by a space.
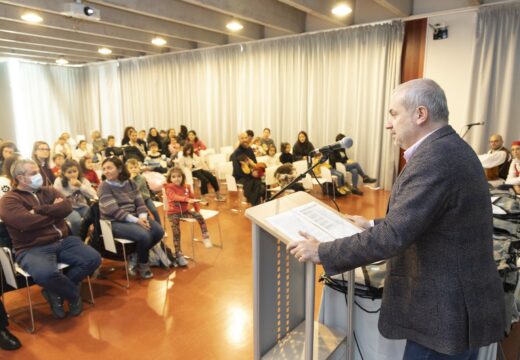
x=8 y=341
x=56 y=304
x=207 y=242
x=144 y=271
x=203 y=201
x=220 y=198
x=181 y=260
x=368 y=180
x=356 y=191
x=76 y=307
x=132 y=264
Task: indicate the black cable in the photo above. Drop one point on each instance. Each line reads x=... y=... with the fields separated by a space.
x=357 y=345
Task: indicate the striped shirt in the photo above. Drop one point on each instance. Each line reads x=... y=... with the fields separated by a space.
x=117 y=201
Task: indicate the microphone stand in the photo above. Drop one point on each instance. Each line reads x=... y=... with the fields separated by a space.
x=468 y=127
x=324 y=158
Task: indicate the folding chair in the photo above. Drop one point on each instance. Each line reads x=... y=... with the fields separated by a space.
x=10 y=269
x=227 y=151
x=110 y=245
x=327 y=177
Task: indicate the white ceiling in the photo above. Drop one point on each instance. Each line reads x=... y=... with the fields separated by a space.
x=127 y=26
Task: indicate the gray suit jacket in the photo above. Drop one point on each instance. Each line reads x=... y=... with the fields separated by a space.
x=442 y=288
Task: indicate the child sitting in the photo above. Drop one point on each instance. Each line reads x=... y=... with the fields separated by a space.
x=135 y=175
x=272 y=160
x=285 y=174
x=179 y=196
x=73 y=185
x=155 y=161
x=58 y=159
x=286 y=156
x=87 y=167
x=257 y=147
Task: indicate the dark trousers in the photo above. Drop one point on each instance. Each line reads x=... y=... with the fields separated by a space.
x=356 y=170
x=206 y=177
x=254 y=189
x=3 y=316
x=144 y=239
x=414 y=351
x=41 y=263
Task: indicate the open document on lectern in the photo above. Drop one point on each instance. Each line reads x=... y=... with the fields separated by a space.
x=315 y=219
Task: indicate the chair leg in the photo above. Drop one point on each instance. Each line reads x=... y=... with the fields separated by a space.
x=221 y=245
x=31 y=329
x=193 y=240
x=126 y=267
x=92 y=302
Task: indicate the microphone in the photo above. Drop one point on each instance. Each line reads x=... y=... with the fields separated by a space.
x=473 y=124
x=344 y=143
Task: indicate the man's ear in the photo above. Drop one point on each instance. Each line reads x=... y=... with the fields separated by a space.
x=421 y=114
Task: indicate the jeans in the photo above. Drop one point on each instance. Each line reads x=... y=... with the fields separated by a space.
x=75 y=218
x=144 y=239
x=151 y=206
x=41 y=263
x=414 y=351
x=356 y=170
x=339 y=175
x=206 y=177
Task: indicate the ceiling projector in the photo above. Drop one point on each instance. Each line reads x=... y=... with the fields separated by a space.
x=81 y=11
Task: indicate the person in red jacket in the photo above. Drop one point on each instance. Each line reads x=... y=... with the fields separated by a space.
x=87 y=168
x=179 y=197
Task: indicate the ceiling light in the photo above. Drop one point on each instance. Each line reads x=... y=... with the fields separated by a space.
x=341 y=10
x=62 y=61
x=31 y=17
x=158 y=41
x=234 y=25
x=104 y=51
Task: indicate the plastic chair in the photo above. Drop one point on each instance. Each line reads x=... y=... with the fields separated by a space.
x=300 y=166
x=10 y=269
x=214 y=160
x=110 y=245
x=327 y=177
x=227 y=151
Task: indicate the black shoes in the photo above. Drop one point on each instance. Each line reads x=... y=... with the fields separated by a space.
x=144 y=271
x=56 y=304
x=368 y=180
x=356 y=191
x=76 y=307
x=8 y=341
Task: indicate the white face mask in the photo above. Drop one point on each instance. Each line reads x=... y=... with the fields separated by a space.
x=36 y=182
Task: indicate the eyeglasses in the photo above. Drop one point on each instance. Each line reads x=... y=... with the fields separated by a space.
x=44 y=149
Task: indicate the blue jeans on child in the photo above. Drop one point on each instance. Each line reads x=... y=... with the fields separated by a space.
x=41 y=263
x=414 y=351
x=143 y=238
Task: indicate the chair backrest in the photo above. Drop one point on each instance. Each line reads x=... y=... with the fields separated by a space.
x=214 y=160
x=224 y=169
x=231 y=183
x=307 y=182
x=226 y=151
x=269 y=176
x=208 y=151
x=300 y=166
x=108 y=237
x=326 y=175
x=341 y=168
x=260 y=159
x=6 y=259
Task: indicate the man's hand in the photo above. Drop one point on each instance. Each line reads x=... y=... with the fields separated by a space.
x=360 y=221
x=305 y=250
x=144 y=223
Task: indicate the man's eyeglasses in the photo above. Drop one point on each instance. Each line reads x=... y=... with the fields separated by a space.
x=44 y=149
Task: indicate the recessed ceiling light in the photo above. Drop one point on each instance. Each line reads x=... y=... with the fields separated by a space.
x=62 y=61
x=234 y=25
x=104 y=51
x=31 y=17
x=158 y=41
x=341 y=10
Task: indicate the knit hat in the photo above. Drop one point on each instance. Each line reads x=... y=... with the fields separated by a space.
x=517 y=143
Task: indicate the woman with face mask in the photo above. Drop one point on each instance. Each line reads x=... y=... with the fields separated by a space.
x=41 y=154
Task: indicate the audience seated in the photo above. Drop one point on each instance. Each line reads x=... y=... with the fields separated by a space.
x=254 y=189
x=61 y=146
x=134 y=149
x=86 y=166
x=182 y=137
x=58 y=160
x=353 y=167
x=7 y=149
x=513 y=177
x=121 y=202
x=112 y=149
x=171 y=146
x=153 y=136
x=82 y=150
x=496 y=161
x=286 y=156
x=41 y=155
x=35 y=219
x=198 y=145
x=272 y=159
x=73 y=185
x=302 y=147
x=6 y=184
x=179 y=196
x=257 y=147
x=285 y=174
x=266 y=141
x=135 y=175
x=98 y=143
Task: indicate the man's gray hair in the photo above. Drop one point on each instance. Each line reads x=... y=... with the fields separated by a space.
x=427 y=93
x=18 y=168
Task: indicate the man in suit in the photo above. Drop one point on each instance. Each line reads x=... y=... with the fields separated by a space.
x=442 y=290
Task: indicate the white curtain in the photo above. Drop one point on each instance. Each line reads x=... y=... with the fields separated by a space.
x=495 y=85
x=323 y=83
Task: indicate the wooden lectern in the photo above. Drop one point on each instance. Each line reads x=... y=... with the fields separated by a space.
x=283 y=300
